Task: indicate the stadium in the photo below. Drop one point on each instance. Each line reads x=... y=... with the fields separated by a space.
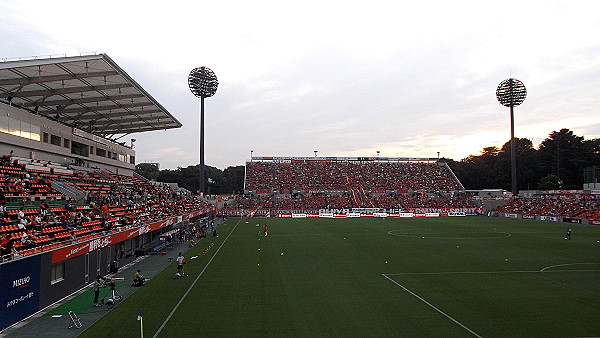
x=368 y=246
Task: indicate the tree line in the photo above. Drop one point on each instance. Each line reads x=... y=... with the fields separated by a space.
x=557 y=163
x=230 y=180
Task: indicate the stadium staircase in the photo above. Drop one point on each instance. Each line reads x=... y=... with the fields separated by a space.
x=136 y=175
x=462 y=187
x=69 y=191
x=360 y=197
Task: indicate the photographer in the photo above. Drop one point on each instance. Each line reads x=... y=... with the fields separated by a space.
x=98 y=283
x=138 y=279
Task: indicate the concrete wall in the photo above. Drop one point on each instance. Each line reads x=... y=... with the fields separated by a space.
x=32 y=149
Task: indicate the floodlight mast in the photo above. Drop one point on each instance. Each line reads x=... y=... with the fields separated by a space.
x=203 y=83
x=512 y=92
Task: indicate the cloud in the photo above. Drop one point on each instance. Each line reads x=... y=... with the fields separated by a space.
x=348 y=79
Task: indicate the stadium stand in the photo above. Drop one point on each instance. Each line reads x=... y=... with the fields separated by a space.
x=63 y=166
x=130 y=201
x=265 y=177
x=578 y=206
x=70 y=202
x=333 y=183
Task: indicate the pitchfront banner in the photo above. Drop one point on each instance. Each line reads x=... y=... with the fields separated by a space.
x=19 y=290
x=75 y=250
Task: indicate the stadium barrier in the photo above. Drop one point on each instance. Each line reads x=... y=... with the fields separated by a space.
x=546 y=218
x=456 y=214
x=343 y=213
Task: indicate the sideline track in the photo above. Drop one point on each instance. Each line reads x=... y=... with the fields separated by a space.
x=195 y=280
x=41 y=325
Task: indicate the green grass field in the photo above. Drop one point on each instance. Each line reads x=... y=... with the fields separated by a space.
x=463 y=276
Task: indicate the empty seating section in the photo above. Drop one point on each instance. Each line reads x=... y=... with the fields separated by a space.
x=34 y=217
x=31 y=179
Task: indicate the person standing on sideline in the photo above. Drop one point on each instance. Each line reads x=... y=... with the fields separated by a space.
x=266 y=230
x=568 y=235
x=97 y=285
x=180 y=262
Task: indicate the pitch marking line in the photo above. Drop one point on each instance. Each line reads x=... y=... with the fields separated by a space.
x=554 y=266
x=447 y=234
x=194 y=283
x=544 y=270
x=432 y=306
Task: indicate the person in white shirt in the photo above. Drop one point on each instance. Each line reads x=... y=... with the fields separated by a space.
x=23 y=223
x=25 y=238
x=180 y=262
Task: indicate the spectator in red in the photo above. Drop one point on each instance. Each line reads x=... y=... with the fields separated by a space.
x=104 y=210
x=4 y=249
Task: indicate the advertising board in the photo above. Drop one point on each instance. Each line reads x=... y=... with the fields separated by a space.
x=19 y=290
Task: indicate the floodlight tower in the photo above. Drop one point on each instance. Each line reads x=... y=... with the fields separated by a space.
x=512 y=92
x=203 y=83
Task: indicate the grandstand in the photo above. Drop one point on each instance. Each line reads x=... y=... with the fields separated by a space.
x=317 y=185
x=395 y=187
x=578 y=206
x=70 y=202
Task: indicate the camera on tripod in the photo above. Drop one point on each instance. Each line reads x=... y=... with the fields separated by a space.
x=112 y=282
x=113 y=296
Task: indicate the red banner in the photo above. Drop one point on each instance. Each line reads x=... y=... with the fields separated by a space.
x=77 y=249
x=194 y=214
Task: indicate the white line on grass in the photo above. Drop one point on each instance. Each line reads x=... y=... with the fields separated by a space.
x=554 y=266
x=433 y=307
x=447 y=234
x=194 y=283
x=494 y=272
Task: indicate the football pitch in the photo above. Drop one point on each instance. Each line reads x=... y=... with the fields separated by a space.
x=450 y=276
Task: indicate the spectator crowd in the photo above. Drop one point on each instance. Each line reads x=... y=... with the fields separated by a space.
x=320 y=184
x=265 y=177
x=557 y=205
x=35 y=216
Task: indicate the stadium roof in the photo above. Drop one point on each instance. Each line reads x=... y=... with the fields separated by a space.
x=90 y=92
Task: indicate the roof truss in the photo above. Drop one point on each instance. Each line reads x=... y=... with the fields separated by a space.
x=89 y=92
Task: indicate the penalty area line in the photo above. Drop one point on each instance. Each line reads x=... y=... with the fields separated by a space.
x=194 y=283
x=432 y=306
